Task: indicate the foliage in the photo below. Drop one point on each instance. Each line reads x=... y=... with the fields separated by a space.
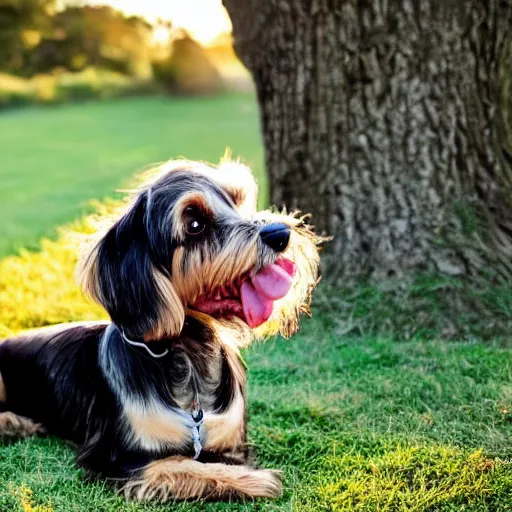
x=95 y=36
x=188 y=70
x=21 y=24
x=235 y=76
x=14 y=91
x=59 y=87
x=40 y=289
x=36 y=39
x=86 y=51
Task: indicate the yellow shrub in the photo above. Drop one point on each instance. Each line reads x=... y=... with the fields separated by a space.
x=44 y=88
x=39 y=289
x=61 y=86
x=14 y=90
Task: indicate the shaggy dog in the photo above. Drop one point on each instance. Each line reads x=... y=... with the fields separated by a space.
x=156 y=398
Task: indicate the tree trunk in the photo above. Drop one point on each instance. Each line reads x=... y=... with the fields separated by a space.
x=385 y=120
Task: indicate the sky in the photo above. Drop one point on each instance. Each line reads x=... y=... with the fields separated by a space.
x=203 y=19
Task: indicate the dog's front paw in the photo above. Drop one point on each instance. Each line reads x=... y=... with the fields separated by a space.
x=13 y=425
x=262 y=483
x=181 y=478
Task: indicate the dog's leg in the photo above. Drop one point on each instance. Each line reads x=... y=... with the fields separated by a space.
x=226 y=431
x=182 y=478
x=12 y=425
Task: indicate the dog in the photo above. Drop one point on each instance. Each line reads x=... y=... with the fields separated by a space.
x=155 y=399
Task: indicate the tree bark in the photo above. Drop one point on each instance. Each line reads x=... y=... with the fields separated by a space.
x=385 y=120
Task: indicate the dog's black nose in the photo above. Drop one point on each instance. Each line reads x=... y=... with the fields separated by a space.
x=276 y=236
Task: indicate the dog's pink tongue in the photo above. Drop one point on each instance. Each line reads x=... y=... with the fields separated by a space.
x=257 y=308
x=259 y=292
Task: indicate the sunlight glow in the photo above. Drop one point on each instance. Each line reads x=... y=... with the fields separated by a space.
x=204 y=20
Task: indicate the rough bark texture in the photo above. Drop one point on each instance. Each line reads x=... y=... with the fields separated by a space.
x=385 y=120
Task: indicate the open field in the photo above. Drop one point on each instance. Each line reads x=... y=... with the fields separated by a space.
x=55 y=160
x=355 y=421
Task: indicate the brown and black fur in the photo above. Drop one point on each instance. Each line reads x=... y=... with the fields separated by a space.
x=126 y=409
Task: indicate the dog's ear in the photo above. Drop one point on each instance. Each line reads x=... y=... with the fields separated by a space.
x=120 y=273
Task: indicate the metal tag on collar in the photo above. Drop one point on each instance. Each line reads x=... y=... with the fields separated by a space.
x=197 y=415
x=196 y=432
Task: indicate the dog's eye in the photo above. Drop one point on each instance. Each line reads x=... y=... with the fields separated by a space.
x=195 y=226
x=195 y=223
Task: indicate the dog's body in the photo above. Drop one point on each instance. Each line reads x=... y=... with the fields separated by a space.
x=156 y=398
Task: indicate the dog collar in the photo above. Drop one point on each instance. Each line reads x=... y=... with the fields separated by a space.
x=143 y=345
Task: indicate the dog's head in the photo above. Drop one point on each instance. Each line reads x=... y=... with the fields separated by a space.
x=191 y=242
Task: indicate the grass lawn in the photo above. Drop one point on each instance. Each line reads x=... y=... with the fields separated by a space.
x=355 y=422
x=55 y=160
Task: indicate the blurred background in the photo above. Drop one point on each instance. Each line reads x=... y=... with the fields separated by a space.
x=117 y=85
x=390 y=122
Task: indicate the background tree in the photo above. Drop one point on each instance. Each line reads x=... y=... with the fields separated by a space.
x=385 y=120
x=22 y=23
x=95 y=36
x=188 y=70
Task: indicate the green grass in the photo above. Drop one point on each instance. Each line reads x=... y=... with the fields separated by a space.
x=355 y=419
x=423 y=307
x=358 y=423
x=55 y=160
